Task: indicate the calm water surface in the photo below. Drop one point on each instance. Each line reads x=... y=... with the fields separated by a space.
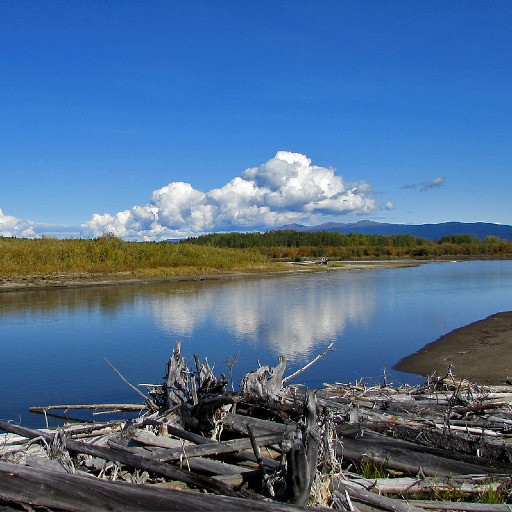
x=53 y=342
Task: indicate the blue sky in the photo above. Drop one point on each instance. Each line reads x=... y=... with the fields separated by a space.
x=142 y=117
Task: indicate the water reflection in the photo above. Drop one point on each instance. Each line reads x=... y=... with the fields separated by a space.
x=287 y=314
x=53 y=341
x=108 y=300
x=291 y=315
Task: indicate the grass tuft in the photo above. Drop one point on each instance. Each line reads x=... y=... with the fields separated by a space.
x=371 y=470
x=492 y=495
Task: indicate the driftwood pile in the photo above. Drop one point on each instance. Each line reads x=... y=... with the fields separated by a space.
x=197 y=446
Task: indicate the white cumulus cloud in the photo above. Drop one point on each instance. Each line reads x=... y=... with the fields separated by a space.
x=12 y=226
x=286 y=188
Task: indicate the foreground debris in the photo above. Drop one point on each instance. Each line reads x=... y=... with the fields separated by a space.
x=197 y=446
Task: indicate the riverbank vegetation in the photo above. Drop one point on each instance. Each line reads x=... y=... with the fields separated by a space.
x=294 y=245
x=108 y=254
x=226 y=252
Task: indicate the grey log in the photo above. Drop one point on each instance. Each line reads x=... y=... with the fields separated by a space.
x=77 y=493
x=135 y=461
x=404 y=456
x=362 y=495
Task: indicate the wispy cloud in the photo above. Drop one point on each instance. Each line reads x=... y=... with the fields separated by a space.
x=286 y=188
x=390 y=206
x=57 y=230
x=433 y=183
x=425 y=185
x=12 y=226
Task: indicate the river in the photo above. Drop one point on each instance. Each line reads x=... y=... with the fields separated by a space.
x=53 y=342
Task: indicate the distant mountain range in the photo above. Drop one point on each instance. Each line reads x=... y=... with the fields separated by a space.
x=479 y=230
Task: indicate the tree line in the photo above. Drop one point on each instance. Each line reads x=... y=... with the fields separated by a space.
x=287 y=244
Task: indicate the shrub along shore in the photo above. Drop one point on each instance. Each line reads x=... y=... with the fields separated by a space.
x=108 y=255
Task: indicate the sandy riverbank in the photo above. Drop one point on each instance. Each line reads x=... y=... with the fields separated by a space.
x=480 y=352
x=72 y=280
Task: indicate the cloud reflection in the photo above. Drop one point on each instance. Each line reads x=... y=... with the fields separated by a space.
x=289 y=315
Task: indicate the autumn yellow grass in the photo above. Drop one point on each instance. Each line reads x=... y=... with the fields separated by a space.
x=110 y=255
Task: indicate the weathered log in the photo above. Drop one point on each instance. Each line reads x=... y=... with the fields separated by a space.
x=119 y=407
x=466 y=429
x=74 y=492
x=196 y=464
x=382 y=502
x=477 y=408
x=265 y=382
x=146 y=438
x=283 y=409
x=451 y=444
x=497 y=388
x=70 y=431
x=213 y=401
x=175 y=387
x=205 y=376
x=442 y=397
x=135 y=461
x=200 y=417
x=311 y=436
x=403 y=456
x=297 y=473
x=183 y=434
x=148 y=400
x=240 y=479
x=211 y=467
x=256 y=450
x=349 y=429
x=43 y=463
x=343 y=502
x=238 y=423
x=506 y=422
x=458 y=506
x=302 y=457
x=472 y=484
x=198 y=439
x=63 y=417
x=275 y=383
x=212 y=448
x=305 y=367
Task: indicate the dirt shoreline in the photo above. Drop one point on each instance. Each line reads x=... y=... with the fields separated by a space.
x=480 y=352
x=74 y=280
